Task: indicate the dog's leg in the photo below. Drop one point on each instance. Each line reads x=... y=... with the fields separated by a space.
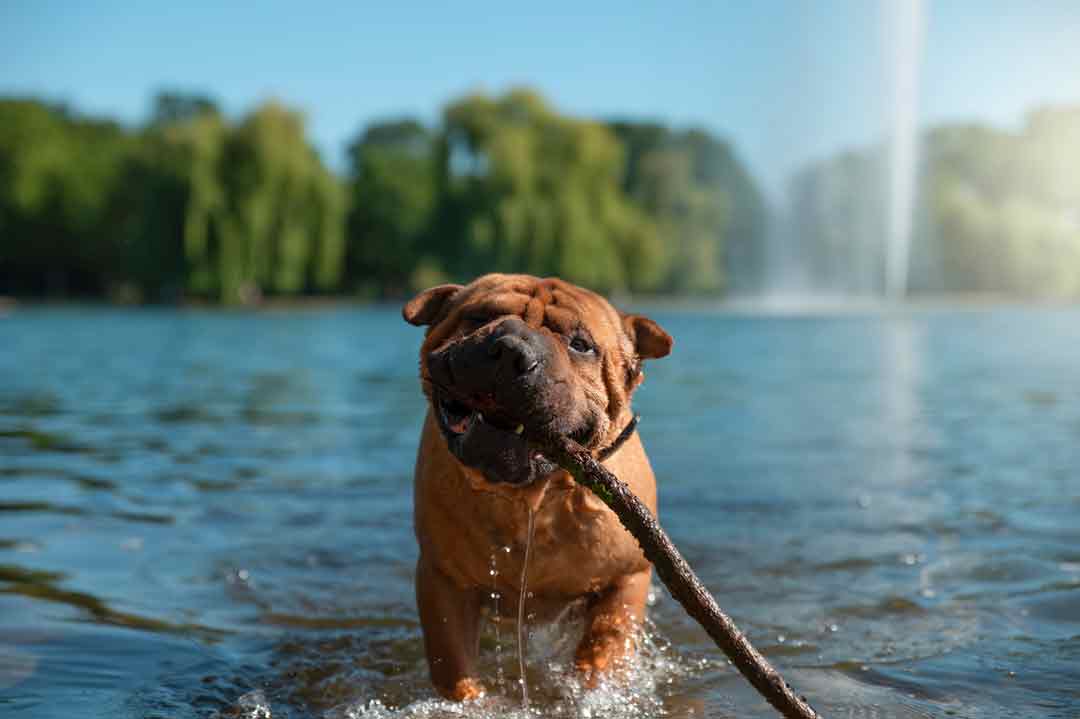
x=613 y=620
x=451 y=622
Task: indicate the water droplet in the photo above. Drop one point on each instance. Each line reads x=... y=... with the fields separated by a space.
x=781 y=638
x=834 y=627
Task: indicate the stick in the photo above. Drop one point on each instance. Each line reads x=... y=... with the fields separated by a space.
x=676 y=574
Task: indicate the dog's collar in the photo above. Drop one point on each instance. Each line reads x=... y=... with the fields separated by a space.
x=628 y=430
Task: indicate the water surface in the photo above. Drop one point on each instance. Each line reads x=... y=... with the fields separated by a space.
x=209 y=514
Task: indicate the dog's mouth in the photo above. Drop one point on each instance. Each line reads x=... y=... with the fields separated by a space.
x=457 y=418
x=495 y=442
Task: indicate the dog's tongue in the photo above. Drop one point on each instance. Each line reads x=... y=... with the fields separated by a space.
x=462 y=425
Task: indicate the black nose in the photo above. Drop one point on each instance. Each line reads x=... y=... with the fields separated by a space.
x=515 y=349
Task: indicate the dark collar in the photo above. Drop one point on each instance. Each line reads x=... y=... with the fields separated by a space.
x=628 y=430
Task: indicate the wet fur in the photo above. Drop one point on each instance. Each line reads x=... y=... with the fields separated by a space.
x=580 y=550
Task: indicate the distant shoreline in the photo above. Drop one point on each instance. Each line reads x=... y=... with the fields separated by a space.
x=765 y=305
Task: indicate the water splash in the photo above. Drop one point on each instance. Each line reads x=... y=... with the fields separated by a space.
x=521 y=623
x=906 y=18
x=253 y=705
x=636 y=691
x=496 y=617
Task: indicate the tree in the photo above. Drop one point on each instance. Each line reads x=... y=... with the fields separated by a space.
x=280 y=228
x=392 y=191
x=525 y=189
x=171 y=202
x=708 y=211
x=57 y=173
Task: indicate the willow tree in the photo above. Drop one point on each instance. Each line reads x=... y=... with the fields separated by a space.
x=1003 y=206
x=280 y=227
x=708 y=209
x=57 y=173
x=393 y=195
x=526 y=189
x=171 y=199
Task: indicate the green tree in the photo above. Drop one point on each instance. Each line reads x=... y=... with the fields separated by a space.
x=393 y=192
x=280 y=229
x=997 y=211
x=523 y=188
x=57 y=173
x=171 y=200
x=708 y=210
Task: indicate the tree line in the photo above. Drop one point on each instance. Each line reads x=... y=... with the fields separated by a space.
x=193 y=206
x=996 y=211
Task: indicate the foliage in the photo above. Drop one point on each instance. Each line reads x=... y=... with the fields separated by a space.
x=195 y=205
x=56 y=175
x=998 y=212
x=525 y=189
x=187 y=206
x=708 y=211
x=392 y=196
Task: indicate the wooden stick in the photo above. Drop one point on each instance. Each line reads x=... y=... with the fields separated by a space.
x=676 y=574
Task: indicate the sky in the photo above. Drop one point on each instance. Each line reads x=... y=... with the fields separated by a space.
x=786 y=82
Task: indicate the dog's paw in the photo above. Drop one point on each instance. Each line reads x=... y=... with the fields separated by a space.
x=599 y=654
x=464 y=690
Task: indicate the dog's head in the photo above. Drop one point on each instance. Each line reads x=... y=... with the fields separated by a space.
x=509 y=351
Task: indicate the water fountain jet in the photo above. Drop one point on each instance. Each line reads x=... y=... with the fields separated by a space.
x=906 y=18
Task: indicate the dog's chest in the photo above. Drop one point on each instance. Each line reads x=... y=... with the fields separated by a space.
x=577 y=547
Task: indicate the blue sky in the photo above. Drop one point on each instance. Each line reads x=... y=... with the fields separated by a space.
x=786 y=82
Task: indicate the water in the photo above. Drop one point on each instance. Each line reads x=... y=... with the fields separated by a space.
x=209 y=514
x=522 y=627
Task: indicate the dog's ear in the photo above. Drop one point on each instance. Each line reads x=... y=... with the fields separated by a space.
x=650 y=340
x=428 y=305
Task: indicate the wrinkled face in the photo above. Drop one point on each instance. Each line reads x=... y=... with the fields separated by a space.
x=510 y=351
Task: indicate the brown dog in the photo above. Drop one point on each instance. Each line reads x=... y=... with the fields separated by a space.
x=502 y=351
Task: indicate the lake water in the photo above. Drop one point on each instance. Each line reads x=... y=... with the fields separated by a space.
x=209 y=514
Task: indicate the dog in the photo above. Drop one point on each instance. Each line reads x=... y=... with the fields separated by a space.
x=500 y=353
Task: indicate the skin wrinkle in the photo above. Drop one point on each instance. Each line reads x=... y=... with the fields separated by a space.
x=539 y=308
x=556 y=307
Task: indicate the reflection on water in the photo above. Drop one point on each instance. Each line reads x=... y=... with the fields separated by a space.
x=901 y=363
x=209 y=514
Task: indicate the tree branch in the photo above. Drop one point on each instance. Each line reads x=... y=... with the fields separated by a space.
x=676 y=574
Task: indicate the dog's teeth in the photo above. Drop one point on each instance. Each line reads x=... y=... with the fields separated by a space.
x=480 y=416
x=520 y=428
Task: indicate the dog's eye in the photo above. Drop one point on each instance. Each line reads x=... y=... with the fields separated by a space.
x=581 y=346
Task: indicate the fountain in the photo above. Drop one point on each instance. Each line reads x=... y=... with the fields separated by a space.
x=845 y=228
x=906 y=19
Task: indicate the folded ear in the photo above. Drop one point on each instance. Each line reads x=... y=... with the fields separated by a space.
x=650 y=340
x=426 y=306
